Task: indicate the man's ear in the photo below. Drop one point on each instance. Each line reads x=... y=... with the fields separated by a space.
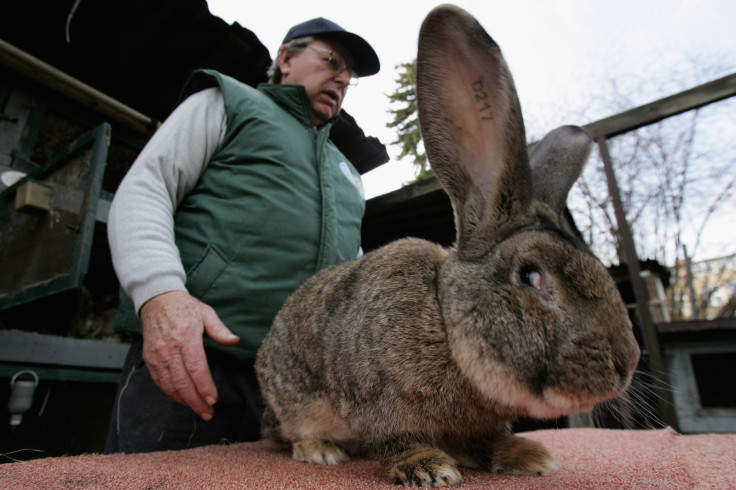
x=285 y=56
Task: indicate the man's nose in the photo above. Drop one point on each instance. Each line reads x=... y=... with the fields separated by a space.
x=343 y=77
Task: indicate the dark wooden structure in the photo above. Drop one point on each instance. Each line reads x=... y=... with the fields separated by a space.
x=123 y=70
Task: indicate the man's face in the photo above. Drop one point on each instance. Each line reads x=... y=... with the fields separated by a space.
x=325 y=88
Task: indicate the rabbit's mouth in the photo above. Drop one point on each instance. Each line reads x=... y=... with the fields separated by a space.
x=562 y=402
x=556 y=403
x=551 y=399
x=583 y=389
x=496 y=382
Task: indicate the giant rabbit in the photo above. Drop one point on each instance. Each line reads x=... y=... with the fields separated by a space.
x=422 y=355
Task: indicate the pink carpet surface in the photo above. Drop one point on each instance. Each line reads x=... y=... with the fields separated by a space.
x=587 y=458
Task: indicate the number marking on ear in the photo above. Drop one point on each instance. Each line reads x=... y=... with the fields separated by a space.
x=484 y=108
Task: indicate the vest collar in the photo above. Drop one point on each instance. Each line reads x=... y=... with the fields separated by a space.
x=293 y=99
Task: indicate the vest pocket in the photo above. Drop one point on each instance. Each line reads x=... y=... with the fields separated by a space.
x=202 y=275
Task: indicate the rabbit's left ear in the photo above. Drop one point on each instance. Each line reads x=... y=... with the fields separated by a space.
x=472 y=128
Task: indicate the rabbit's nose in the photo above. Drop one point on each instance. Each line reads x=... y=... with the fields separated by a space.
x=625 y=359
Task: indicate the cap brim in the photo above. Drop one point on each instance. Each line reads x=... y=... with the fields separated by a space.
x=365 y=58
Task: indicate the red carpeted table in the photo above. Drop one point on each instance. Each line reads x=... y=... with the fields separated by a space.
x=588 y=458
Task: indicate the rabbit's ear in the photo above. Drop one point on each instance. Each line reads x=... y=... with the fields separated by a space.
x=472 y=128
x=557 y=162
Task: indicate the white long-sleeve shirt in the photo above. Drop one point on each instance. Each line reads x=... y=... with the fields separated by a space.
x=140 y=225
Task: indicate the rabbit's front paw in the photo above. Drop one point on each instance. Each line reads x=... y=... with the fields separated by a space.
x=520 y=456
x=423 y=467
x=318 y=451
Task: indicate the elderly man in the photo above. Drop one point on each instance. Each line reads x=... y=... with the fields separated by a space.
x=237 y=198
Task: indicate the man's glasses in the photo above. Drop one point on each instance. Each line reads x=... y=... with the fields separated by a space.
x=336 y=63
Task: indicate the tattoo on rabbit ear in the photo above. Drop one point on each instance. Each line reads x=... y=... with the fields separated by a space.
x=482 y=100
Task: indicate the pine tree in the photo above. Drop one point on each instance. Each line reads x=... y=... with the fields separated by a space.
x=406 y=121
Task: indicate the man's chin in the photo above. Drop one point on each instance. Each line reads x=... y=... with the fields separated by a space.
x=322 y=116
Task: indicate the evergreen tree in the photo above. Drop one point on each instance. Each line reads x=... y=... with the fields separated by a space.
x=406 y=120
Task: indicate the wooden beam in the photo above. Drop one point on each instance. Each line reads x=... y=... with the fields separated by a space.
x=658 y=110
x=48 y=350
x=608 y=127
x=657 y=367
x=77 y=90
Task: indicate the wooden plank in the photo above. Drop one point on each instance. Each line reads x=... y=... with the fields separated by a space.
x=50 y=76
x=55 y=373
x=405 y=193
x=617 y=124
x=658 y=110
x=717 y=324
x=48 y=350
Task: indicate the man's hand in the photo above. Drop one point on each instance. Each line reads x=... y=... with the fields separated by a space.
x=173 y=327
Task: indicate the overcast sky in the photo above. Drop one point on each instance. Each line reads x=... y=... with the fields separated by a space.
x=558 y=51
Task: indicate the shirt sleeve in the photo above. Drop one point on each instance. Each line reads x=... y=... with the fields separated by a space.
x=140 y=225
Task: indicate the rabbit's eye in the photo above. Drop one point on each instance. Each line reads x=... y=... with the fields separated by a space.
x=532 y=278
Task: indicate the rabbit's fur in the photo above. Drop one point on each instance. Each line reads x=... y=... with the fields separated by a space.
x=422 y=355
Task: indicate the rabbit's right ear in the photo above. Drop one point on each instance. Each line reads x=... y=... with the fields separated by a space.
x=556 y=162
x=472 y=128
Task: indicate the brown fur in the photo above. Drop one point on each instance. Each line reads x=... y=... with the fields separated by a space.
x=420 y=354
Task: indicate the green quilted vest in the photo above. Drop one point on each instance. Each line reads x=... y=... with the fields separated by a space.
x=277 y=203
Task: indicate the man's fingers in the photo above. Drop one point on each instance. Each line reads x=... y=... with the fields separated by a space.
x=161 y=376
x=173 y=327
x=186 y=389
x=195 y=363
x=172 y=375
x=215 y=329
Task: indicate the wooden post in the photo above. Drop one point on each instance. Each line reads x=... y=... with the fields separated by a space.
x=657 y=367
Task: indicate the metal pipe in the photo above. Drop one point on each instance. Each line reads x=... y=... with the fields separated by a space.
x=81 y=92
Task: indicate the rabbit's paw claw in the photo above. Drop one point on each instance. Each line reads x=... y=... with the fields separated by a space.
x=318 y=451
x=424 y=468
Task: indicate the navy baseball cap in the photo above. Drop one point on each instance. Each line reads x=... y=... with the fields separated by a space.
x=364 y=58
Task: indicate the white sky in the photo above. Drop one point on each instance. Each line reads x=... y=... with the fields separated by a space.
x=555 y=48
